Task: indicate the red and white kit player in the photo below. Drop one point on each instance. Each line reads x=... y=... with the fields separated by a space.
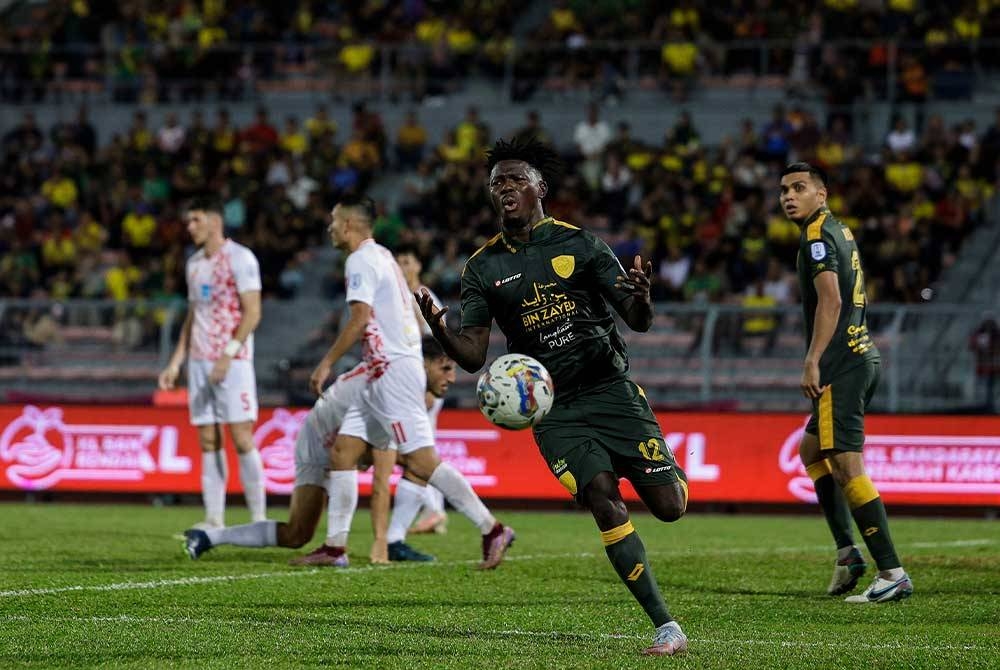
x=224 y=286
x=432 y=518
x=391 y=409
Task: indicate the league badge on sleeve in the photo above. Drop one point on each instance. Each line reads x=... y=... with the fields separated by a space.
x=354 y=281
x=817 y=250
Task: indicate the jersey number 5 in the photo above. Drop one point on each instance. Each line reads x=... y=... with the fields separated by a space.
x=859 y=279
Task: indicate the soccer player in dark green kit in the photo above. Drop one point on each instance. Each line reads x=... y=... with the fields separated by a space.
x=839 y=375
x=549 y=285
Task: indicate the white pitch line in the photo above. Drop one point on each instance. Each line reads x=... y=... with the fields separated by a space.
x=190 y=581
x=514 y=632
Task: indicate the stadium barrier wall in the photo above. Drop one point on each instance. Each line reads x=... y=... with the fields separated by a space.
x=740 y=458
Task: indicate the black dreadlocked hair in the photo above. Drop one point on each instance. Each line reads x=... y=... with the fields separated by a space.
x=540 y=156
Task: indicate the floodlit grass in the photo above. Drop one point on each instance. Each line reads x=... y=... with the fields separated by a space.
x=108 y=586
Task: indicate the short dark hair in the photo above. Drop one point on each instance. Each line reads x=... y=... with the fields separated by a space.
x=801 y=166
x=205 y=203
x=408 y=249
x=362 y=203
x=537 y=154
x=432 y=349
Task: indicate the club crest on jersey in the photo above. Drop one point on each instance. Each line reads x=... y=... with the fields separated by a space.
x=564 y=266
x=817 y=250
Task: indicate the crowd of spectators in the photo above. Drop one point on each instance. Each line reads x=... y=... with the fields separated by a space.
x=840 y=47
x=89 y=217
x=139 y=50
x=708 y=217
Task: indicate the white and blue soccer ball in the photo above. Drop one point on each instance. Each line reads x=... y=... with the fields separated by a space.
x=515 y=392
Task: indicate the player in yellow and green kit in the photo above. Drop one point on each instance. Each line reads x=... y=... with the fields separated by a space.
x=839 y=375
x=551 y=288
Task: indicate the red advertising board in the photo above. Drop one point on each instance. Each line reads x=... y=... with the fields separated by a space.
x=927 y=460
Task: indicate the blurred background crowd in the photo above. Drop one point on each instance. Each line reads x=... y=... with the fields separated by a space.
x=180 y=49
x=86 y=214
x=673 y=121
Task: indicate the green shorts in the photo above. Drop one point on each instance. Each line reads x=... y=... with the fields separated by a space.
x=608 y=428
x=838 y=417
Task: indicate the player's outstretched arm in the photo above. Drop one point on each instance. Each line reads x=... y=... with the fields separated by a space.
x=637 y=308
x=467 y=347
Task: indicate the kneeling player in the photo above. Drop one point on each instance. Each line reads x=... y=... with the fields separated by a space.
x=360 y=432
x=311 y=465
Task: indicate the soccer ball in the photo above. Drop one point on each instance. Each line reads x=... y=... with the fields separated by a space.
x=515 y=392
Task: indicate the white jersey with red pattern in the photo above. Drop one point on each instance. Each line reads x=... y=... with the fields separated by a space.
x=374 y=278
x=214 y=286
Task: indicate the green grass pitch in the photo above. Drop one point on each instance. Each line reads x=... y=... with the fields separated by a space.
x=108 y=586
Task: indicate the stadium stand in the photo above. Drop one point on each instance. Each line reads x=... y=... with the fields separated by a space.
x=191 y=97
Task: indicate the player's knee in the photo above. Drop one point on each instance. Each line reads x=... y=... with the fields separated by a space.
x=609 y=511
x=294 y=535
x=670 y=510
x=841 y=476
x=245 y=448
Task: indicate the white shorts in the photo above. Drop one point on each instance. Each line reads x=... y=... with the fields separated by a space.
x=392 y=409
x=232 y=401
x=311 y=457
x=320 y=429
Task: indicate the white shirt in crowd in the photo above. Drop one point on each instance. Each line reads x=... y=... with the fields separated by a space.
x=171 y=138
x=675 y=272
x=901 y=140
x=591 y=139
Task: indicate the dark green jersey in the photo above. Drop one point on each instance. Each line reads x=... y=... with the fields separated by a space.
x=827 y=245
x=551 y=298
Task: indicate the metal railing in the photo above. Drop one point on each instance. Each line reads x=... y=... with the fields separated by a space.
x=138 y=72
x=716 y=355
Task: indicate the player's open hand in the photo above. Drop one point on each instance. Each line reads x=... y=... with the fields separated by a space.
x=168 y=378
x=219 y=370
x=318 y=377
x=379 y=554
x=810 y=381
x=638 y=281
x=432 y=315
